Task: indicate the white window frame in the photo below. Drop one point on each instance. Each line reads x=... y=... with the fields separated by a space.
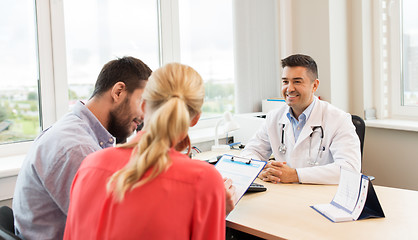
x=169 y=29
x=394 y=69
x=53 y=86
x=52 y=76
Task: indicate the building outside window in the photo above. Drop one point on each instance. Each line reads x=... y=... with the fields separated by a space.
x=409 y=53
x=103 y=30
x=19 y=99
x=206 y=44
x=94 y=34
x=396 y=34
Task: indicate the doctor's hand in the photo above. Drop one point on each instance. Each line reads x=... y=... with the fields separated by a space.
x=275 y=172
x=230 y=197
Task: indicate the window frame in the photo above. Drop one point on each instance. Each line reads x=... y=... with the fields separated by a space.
x=169 y=29
x=52 y=67
x=394 y=69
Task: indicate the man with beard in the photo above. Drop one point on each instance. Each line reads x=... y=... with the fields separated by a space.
x=42 y=191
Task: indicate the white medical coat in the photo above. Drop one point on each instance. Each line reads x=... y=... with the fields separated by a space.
x=340 y=145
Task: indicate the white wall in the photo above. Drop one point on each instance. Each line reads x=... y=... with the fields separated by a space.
x=392 y=157
x=311 y=36
x=338 y=35
x=257 y=56
x=320 y=29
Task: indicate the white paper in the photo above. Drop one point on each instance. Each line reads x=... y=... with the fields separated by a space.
x=239 y=171
x=333 y=212
x=349 y=201
x=348 y=189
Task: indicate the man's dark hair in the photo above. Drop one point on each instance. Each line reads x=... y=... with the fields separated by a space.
x=129 y=70
x=300 y=60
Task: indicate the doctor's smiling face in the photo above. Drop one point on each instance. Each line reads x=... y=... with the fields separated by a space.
x=298 y=88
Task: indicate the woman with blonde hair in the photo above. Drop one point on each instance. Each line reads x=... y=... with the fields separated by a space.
x=146 y=188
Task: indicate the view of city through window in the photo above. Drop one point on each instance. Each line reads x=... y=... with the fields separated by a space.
x=94 y=36
x=103 y=30
x=410 y=53
x=19 y=105
x=206 y=44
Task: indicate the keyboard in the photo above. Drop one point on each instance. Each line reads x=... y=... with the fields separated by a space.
x=255 y=187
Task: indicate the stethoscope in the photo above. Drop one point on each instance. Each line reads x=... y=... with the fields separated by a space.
x=283 y=148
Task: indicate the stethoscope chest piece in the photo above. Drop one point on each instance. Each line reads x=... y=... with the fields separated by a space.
x=282 y=149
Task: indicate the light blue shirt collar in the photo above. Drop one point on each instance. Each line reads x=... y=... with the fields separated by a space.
x=298 y=124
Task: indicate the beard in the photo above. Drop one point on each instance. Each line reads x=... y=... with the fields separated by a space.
x=120 y=122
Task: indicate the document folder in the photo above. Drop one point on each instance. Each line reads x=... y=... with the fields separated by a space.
x=242 y=171
x=355 y=199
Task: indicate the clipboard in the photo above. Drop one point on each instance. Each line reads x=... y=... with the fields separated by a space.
x=355 y=199
x=242 y=171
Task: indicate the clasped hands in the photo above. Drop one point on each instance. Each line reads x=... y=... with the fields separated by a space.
x=276 y=172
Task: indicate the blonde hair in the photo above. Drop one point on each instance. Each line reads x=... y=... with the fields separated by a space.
x=174 y=94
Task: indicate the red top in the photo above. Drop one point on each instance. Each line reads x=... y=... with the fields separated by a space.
x=185 y=202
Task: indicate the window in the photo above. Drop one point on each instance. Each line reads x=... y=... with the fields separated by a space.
x=206 y=44
x=399 y=58
x=410 y=53
x=19 y=100
x=101 y=31
x=52 y=51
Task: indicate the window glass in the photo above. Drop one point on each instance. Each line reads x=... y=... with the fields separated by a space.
x=19 y=100
x=410 y=53
x=98 y=31
x=206 y=44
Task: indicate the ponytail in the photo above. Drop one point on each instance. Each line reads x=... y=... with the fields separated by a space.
x=164 y=130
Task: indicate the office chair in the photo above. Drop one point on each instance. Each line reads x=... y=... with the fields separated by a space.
x=360 y=130
x=7 y=224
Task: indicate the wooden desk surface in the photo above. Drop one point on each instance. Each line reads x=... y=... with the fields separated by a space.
x=283 y=212
x=210 y=154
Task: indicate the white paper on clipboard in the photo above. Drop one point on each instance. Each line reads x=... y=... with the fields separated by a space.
x=242 y=171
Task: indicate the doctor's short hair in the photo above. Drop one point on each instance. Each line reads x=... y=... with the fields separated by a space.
x=129 y=70
x=300 y=60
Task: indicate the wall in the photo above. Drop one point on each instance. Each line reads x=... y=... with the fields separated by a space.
x=256 y=53
x=391 y=157
x=320 y=29
x=311 y=36
x=6 y=203
x=338 y=34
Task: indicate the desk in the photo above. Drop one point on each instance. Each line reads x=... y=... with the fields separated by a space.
x=212 y=154
x=283 y=212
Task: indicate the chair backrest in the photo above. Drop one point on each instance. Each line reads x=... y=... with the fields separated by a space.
x=6 y=235
x=360 y=130
x=7 y=224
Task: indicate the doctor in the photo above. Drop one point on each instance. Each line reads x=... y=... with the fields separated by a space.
x=310 y=139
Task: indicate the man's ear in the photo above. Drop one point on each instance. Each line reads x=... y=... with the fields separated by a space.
x=118 y=91
x=143 y=105
x=315 y=85
x=195 y=120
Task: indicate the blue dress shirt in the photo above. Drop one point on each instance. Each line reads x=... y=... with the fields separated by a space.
x=42 y=192
x=298 y=124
